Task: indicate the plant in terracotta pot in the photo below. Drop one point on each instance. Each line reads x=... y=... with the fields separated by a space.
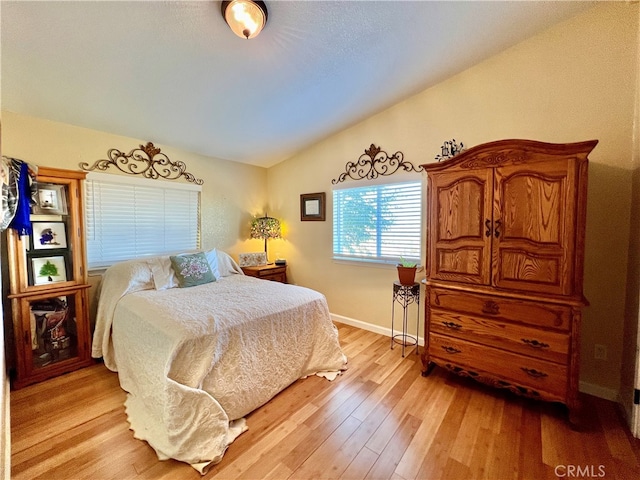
x=407 y=271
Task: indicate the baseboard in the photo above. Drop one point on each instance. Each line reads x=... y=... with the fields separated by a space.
x=585 y=387
x=368 y=326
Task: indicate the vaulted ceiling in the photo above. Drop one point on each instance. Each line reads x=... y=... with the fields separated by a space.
x=173 y=73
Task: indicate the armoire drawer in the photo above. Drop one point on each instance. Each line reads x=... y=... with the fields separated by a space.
x=545 y=315
x=537 y=374
x=535 y=342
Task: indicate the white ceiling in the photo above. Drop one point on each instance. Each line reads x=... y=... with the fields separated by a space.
x=173 y=73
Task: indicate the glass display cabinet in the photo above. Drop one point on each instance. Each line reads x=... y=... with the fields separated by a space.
x=48 y=282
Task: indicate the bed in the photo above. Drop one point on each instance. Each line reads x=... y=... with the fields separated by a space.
x=194 y=361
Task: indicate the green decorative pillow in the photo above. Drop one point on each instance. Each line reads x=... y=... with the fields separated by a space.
x=192 y=269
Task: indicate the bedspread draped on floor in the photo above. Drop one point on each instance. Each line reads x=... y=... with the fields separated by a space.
x=195 y=359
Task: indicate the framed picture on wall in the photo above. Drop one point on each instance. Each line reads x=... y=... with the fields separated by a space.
x=312 y=207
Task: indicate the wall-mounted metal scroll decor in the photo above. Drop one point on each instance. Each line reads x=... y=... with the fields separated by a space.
x=374 y=163
x=143 y=161
x=449 y=149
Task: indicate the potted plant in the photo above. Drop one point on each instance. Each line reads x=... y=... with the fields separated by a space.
x=407 y=272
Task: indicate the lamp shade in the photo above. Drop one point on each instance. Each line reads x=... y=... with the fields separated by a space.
x=246 y=18
x=265 y=227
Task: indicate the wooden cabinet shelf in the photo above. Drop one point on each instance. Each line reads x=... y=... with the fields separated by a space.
x=48 y=282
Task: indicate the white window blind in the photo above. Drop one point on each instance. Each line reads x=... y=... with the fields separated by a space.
x=378 y=222
x=132 y=217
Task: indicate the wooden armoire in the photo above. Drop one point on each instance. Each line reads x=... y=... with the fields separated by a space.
x=505 y=250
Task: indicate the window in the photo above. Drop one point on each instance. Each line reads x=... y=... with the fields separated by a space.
x=378 y=223
x=133 y=217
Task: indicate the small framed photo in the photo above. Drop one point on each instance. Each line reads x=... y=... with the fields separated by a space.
x=252 y=259
x=52 y=200
x=312 y=207
x=46 y=270
x=49 y=235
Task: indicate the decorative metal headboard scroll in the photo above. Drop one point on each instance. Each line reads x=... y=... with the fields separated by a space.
x=142 y=161
x=374 y=163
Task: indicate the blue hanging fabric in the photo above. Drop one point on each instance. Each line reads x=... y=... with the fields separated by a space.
x=21 y=221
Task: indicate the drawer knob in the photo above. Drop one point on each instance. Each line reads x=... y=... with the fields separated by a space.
x=491 y=308
x=532 y=372
x=450 y=349
x=452 y=325
x=534 y=343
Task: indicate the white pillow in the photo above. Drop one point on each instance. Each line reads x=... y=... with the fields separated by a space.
x=227 y=265
x=164 y=277
x=212 y=258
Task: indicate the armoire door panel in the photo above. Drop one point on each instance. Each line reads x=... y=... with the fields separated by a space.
x=461 y=209
x=460 y=206
x=519 y=267
x=533 y=207
x=464 y=264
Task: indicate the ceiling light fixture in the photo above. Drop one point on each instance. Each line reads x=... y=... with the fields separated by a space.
x=246 y=18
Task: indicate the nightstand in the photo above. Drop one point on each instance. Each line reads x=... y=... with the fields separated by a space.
x=277 y=273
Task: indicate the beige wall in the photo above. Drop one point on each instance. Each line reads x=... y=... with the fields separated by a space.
x=231 y=194
x=574 y=82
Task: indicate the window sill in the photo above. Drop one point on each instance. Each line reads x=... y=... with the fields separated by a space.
x=364 y=263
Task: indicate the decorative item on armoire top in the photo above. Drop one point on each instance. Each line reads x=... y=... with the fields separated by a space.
x=375 y=163
x=312 y=207
x=147 y=165
x=450 y=149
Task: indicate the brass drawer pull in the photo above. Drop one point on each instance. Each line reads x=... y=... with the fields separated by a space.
x=534 y=343
x=451 y=349
x=453 y=326
x=532 y=372
x=491 y=308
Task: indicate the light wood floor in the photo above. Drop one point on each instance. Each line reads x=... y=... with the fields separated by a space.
x=380 y=420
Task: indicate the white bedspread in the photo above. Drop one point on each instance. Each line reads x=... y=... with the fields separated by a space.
x=195 y=359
